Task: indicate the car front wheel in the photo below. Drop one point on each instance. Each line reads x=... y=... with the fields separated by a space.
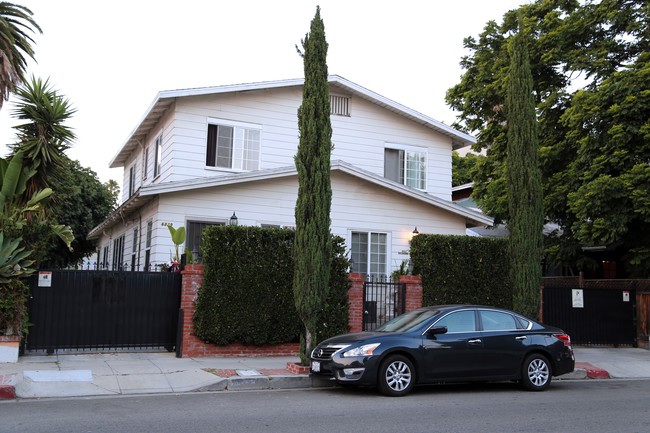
x=536 y=374
x=396 y=376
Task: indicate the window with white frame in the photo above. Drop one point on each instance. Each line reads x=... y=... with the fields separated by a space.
x=233 y=145
x=134 y=252
x=193 y=236
x=406 y=165
x=145 y=164
x=118 y=253
x=131 y=180
x=157 y=163
x=104 y=260
x=369 y=253
x=147 y=246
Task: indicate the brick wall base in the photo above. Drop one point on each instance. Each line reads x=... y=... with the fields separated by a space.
x=192 y=346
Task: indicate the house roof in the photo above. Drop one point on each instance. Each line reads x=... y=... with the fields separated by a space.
x=165 y=99
x=146 y=193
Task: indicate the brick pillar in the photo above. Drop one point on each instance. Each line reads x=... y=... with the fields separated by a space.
x=192 y=281
x=355 y=298
x=414 y=292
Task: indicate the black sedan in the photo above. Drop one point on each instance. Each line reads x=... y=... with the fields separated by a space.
x=449 y=343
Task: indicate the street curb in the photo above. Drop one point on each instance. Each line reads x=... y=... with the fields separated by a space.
x=593 y=372
x=7 y=387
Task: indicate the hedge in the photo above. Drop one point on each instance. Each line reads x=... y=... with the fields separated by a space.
x=462 y=270
x=247 y=294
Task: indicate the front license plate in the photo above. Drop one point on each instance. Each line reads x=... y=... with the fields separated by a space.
x=315 y=366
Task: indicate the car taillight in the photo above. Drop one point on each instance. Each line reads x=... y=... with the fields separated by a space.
x=564 y=338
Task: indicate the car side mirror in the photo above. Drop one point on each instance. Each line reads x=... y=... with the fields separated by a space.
x=436 y=330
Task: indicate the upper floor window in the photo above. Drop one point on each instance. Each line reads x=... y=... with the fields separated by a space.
x=145 y=164
x=233 y=145
x=131 y=180
x=339 y=105
x=158 y=156
x=406 y=165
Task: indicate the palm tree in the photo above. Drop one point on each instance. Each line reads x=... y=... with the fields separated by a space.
x=44 y=137
x=16 y=24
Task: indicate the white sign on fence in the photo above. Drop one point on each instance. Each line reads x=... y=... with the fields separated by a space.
x=44 y=279
x=578 y=298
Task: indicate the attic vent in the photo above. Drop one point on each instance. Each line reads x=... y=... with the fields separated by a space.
x=339 y=105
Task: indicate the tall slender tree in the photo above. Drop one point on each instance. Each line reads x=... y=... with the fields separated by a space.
x=312 y=248
x=16 y=24
x=525 y=204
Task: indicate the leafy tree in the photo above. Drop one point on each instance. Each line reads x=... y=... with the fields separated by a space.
x=81 y=202
x=463 y=168
x=312 y=249
x=589 y=62
x=525 y=212
x=16 y=24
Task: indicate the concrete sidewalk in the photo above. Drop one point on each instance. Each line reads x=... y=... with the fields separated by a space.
x=145 y=373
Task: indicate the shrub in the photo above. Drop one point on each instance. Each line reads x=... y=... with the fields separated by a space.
x=462 y=270
x=247 y=294
x=14 y=295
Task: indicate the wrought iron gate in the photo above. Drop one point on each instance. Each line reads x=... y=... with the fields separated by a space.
x=592 y=316
x=103 y=310
x=382 y=301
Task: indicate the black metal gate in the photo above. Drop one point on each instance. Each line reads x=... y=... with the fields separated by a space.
x=592 y=316
x=103 y=310
x=382 y=301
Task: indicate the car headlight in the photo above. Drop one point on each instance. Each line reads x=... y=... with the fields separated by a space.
x=365 y=350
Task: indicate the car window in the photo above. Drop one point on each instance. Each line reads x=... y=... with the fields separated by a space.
x=407 y=322
x=460 y=321
x=497 y=321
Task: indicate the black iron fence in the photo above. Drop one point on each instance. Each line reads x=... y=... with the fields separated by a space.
x=383 y=300
x=592 y=315
x=74 y=309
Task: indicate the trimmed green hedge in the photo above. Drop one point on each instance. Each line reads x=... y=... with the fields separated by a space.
x=14 y=295
x=462 y=270
x=247 y=294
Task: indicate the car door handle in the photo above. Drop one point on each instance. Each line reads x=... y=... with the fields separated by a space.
x=474 y=342
x=522 y=338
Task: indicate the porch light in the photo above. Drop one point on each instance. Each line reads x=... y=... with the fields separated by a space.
x=233 y=220
x=416 y=232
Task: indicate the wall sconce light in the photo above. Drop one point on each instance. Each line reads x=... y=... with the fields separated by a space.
x=233 y=220
x=416 y=232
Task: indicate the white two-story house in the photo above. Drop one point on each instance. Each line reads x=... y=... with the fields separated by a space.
x=200 y=156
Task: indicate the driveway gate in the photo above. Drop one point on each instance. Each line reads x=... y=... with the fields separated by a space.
x=382 y=301
x=103 y=310
x=592 y=316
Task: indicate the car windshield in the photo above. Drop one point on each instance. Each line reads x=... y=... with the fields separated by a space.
x=408 y=321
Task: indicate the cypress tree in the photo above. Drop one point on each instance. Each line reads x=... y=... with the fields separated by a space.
x=525 y=203
x=312 y=246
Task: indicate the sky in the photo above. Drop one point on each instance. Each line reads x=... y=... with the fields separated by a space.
x=110 y=59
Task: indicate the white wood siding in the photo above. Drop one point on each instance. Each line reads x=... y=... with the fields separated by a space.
x=356 y=206
x=359 y=139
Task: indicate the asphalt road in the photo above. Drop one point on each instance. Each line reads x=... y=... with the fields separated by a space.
x=568 y=406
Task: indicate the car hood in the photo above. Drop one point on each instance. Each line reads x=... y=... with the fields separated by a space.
x=352 y=338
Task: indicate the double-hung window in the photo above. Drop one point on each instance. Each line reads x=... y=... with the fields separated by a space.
x=369 y=253
x=233 y=145
x=406 y=165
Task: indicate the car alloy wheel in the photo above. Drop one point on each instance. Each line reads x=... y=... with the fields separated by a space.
x=536 y=373
x=396 y=376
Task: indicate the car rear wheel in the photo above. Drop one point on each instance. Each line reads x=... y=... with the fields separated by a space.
x=396 y=376
x=536 y=373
